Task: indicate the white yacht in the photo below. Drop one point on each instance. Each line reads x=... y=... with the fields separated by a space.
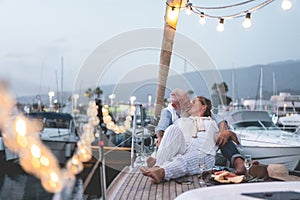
x=263 y=140
x=286 y=108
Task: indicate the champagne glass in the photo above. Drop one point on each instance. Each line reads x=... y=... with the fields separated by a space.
x=248 y=163
x=201 y=181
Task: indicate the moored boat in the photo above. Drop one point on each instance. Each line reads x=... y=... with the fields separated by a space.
x=263 y=140
x=58 y=133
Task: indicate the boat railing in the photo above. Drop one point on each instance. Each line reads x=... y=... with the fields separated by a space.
x=138 y=135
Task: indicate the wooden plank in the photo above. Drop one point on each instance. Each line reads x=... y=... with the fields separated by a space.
x=118 y=183
x=167 y=190
x=159 y=191
x=130 y=187
x=178 y=188
x=184 y=187
x=123 y=186
x=147 y=189
x=152 y=193
x=135 y=185
x=142 y=186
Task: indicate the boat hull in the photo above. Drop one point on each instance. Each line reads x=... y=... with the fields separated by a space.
x=289 y=156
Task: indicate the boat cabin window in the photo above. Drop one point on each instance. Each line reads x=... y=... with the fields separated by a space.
x=249 y=125
x=269 y=125
x=56 y=123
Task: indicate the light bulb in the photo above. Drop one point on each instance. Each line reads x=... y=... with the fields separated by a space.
x=188 y=9
x=35 y=151
x=220 y=26
x=247 y=22
x=286 y=4
x=21 y=126
x=202 y=19
x=172 y=14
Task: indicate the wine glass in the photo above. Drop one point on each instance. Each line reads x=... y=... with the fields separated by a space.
x=201 y=181
x=247 y=163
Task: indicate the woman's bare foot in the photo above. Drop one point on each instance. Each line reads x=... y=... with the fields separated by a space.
x=150 y=161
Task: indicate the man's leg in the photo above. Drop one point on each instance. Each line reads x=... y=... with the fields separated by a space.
x=172 y=143
x=231 y=153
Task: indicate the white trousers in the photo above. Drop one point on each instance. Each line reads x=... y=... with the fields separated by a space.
x=176 y=159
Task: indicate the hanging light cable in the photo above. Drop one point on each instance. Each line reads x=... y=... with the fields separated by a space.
x=286 y=4
x=247 y=23
x=220 y=26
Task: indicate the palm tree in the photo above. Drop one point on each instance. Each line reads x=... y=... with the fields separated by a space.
x=89 y=93
x=98 y=92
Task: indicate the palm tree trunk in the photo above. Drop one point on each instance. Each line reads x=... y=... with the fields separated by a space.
x=164 y=65
x=165 y=54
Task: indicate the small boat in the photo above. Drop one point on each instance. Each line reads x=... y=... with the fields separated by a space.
x=290 y=122
x=58 y=133
x=263 y=140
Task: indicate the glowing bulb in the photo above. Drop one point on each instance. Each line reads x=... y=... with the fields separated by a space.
x=220 y=26
x=286 y=5
x=247 y=22
x=202 y=19
x=172 y=14
x=21 y=127
x=54 y=177
x=188 y=9
x=35 y=151
x=44 y=161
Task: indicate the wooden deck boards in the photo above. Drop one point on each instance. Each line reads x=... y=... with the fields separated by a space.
x=131 y=184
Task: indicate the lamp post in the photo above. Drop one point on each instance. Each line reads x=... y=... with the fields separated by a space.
x=51 y=95
x=149 y=100
x=132 y=99
x=111 y=97
x=75 y=99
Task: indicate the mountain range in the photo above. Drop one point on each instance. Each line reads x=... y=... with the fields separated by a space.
x=242 y=82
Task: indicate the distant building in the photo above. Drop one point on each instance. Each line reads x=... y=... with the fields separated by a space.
x=285 y=104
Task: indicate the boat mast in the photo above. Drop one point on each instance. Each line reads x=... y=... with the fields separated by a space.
x=233 y=86
x=274 y=85
x=62 y=81
x=260 y=88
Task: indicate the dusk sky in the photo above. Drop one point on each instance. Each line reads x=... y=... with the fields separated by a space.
x=35 y=35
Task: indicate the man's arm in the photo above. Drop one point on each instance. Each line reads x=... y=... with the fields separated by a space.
x=224 y=134
x=164 y=122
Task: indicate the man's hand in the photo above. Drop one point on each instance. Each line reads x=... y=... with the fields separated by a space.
x=225 y=135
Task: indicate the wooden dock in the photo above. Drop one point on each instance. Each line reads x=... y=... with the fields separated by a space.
x=131 y=184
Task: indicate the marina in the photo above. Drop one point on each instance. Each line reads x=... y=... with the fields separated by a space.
x=134 y=100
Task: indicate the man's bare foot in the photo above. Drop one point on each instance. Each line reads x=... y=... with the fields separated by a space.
x=150 y=161
x=144 y=170
x=156 y=174
x=239 y=166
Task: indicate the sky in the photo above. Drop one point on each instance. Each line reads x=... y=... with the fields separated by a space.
x=37 y=35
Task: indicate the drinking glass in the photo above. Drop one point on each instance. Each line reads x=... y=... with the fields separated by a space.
x=201 y=181
x=248 y=163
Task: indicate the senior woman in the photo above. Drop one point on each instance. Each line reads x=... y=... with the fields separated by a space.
x=186 y=144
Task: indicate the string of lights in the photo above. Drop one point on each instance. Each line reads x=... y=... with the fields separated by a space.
x=21 y=135
x=203 y=12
